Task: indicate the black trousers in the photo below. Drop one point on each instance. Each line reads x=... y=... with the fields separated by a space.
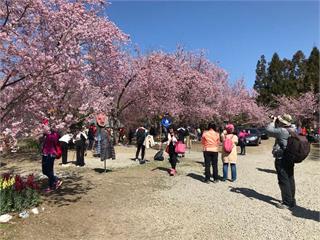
x=243 y=147
x=285 y=172
x=143 y=149
x=211 y=158
x=173 y=159
x=80 y=147
x=64 y=148
x=47 y=169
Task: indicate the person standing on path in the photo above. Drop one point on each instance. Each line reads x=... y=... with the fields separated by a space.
x=49 y=153
x=210 y=142
x=64 y=143
x=91 y=133
x=242 y=139
x=171 y=142
x=141 y=134
x=80 y=143
x=229 y=157
x=279 y=129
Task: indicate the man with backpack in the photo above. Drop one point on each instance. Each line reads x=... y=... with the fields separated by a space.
x=281 y=129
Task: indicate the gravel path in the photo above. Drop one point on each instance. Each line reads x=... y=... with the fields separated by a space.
x=143 y=202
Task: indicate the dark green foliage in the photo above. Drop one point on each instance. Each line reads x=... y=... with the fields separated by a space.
x=12 y=200
x=312 y=75
x=286 y=77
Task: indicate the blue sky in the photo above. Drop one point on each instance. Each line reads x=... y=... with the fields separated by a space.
x=234 y=33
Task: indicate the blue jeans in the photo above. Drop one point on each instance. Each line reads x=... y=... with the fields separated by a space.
x=47 y=169
x=233 y=171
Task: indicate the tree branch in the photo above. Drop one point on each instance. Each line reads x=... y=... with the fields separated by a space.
x=124 y=89
x=8 y=14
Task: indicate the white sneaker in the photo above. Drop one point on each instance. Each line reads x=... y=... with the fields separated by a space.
x=137 y=159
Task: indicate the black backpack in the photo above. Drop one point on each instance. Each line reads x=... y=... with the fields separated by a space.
x=159 y=156
x=297 y=149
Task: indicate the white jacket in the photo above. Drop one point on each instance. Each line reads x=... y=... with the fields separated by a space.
x=66 y=138
x=148 y=141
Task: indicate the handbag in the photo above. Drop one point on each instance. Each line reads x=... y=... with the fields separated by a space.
x=58 y=151
x=167 y=149
x=180 y=147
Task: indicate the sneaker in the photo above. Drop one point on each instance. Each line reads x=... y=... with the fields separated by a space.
x=172 y=172
x=216 y=181
x=58 y=184
x=48 y=190
x=137 y=159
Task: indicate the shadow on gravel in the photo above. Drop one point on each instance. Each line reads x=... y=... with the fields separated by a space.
x=2 y=164
x=302 y=212
x=101 y=170
x=196 y=176
x=267 y=170
x=298 y=211
x=70 y=191
x=161 y=169
x=250 y=193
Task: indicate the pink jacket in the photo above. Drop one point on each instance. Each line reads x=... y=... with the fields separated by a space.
x=242 y=135
x=50 y=144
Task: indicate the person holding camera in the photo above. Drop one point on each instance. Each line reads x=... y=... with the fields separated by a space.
x=279 y=129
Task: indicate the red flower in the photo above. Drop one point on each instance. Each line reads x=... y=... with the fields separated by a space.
x=19 y=184
x=31 y=182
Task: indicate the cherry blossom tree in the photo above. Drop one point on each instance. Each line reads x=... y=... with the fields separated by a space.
x=303 y=108
x=44 y=59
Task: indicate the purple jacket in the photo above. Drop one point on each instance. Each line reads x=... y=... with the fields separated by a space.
x=50 y=144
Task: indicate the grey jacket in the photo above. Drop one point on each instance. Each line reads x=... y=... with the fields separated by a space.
x=281 y=135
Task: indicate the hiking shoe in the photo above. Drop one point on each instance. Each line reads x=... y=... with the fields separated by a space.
x=48 y=190
x=58 y=184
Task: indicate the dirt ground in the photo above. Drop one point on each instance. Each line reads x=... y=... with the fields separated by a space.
x=133 y=201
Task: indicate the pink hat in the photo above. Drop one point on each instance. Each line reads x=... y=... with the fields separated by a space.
x=229 y=128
